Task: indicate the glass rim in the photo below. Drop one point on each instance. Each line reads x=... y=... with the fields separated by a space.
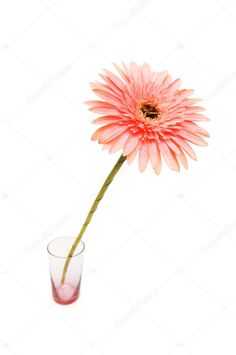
x=65 y=257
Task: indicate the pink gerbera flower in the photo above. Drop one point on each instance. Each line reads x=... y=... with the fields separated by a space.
x=145 y=113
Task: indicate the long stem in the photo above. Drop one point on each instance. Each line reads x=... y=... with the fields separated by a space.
x=100 y=195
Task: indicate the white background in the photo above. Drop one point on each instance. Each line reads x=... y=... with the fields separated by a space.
x=160 y=263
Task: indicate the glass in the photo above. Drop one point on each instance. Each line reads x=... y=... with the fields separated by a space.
x=58 y=250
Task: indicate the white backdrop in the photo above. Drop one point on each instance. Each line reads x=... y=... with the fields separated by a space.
x=160 y=263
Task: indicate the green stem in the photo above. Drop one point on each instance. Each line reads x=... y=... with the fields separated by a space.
x=100 y=195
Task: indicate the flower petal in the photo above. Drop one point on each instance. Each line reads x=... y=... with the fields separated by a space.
x=193 y=138
x=193 y=127
x=104 y=110
x=185 y=146
x=119 y=142
x=132 y=155
x=146 y=73
x=115 y=80
x=168 y=156
x=173 y=86
x=107 y=119
x=195 y=117
x=122 y=73
x=179 y=153
x=143 y=156
x=107 y=96
x=154 y=156
x=108 y=132
x=96 y=103
x=130 y=144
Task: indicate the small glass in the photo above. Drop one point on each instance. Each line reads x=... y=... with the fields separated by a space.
x=58 y=250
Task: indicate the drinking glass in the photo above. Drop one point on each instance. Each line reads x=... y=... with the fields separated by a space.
x=58 y=250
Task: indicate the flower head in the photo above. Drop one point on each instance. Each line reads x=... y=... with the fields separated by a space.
x=145 y=113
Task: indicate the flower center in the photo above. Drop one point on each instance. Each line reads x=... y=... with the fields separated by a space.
x=150 y=111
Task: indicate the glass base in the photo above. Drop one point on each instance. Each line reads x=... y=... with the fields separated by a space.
x=58 y=251
x=65 y=294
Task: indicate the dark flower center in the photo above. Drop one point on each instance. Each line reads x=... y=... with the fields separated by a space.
x=150 y=111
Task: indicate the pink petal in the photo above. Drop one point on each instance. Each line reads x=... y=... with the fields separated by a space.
x=99 y=131
x=115 y=80
x=122 y=73
x=130 y=144
x=185 y=93
x=186 y=147
x=193 y=127
x=104 y=110
x=107 y=132
x=159 y=79
x=108 y=97
x=154 y=156
x=143 y=157
x=166 y=82
x=191 y=101
x=96 y=103
x=193 y=138
x=173 y=86
x=193 y=109
x=179 y=153
x=131 y=156
x=107 y=119
x=195 y=117
x=119 y=142
x=109 y=136
x=134 y=72
x=146 y=73
x=168 y=156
